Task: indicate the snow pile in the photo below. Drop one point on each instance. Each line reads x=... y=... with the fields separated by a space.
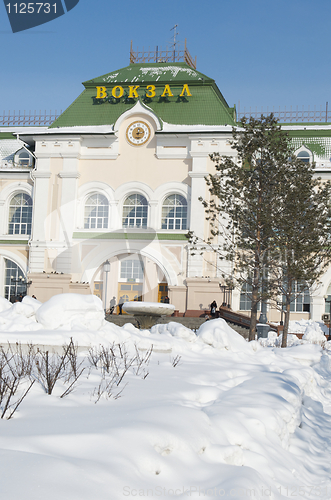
x=72 y=311
x=19 y=316
x=220 y=335
x=4 y=304
x=194 y=416
x=175 y=330
x=308 y=327
x=313 y=332
x=57 y=320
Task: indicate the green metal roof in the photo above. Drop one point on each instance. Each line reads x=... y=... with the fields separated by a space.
x=206 y=105
x=151 y=73
x=7 y=135
x=318 y=141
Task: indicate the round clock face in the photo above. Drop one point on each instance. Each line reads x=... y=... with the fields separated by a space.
x=138 y=133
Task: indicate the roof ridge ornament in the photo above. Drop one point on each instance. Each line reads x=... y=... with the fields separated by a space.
x=173 y=54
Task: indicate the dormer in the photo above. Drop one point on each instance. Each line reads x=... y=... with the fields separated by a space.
x=23 y=158
x=304 y=154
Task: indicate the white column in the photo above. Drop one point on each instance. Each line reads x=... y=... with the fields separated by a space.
x=317 y=305
x=197 y=211
x=67 y=212
x=153 y=222
x=39 y=217
x=3 y=219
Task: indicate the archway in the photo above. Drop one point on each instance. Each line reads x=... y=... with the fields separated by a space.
x=132 y=277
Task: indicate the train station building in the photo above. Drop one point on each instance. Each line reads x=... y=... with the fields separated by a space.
x=100 y=201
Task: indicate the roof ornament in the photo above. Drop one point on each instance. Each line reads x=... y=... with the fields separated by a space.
x=175 y=41
x=173 y=54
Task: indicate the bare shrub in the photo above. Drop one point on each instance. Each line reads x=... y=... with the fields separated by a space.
x=175 y=361
x=19 y=364
x=142 y=362
x=107 y=389
x=13 y=367
x=74 y=364
x=50 y=367
x=115 y=362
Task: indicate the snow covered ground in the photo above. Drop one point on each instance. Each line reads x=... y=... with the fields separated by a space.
x=173 y=415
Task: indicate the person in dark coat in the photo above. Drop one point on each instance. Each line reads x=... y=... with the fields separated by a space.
x=112 y=305
x=213 y=308
x=120 y=305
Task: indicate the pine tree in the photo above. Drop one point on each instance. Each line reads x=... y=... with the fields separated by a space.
x=301 y=235
x=259 y=207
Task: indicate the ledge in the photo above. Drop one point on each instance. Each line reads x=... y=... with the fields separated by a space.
x=129 y=236
x=14 y=242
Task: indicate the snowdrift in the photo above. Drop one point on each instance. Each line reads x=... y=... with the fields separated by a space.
x=207 y=415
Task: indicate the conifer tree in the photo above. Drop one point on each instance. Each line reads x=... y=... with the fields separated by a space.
x=255 y=197
x=301 y=235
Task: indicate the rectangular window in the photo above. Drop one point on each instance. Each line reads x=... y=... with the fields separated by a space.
x=132 y=269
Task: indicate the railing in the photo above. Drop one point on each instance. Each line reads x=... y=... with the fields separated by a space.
x=158 y=55
x=234 y=317
x=18 y=118
x=10 y=166
x=288 y=115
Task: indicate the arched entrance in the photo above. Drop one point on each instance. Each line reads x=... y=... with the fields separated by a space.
x=132 y=277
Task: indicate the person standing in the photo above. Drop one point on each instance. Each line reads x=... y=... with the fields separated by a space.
x=120 y=304
x=213 y=308
x=112 y=305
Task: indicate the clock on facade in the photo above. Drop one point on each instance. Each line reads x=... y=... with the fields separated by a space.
x=138 y=133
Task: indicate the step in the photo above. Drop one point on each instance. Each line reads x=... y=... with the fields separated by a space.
x=191 y=323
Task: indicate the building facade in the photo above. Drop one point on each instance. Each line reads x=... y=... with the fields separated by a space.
x=117 y=179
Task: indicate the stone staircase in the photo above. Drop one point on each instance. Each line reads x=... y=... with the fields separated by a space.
x=190 y=322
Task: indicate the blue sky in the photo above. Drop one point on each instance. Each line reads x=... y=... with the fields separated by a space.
x=260 y=52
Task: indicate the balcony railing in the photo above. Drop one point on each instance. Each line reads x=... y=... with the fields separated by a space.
x=288 y=115
x=291 y=115
x=7 y=165
x=30 y=118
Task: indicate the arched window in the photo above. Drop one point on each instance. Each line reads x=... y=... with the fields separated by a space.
x=96 y=212
x=15 y=282
x=20 y=214
x=174 y=212
x=135 y=211
x=304 y=156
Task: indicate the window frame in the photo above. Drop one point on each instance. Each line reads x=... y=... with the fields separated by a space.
x=135 y=217
x=16 y=272
x=300 y=299
x=247 y=300
x=105 y=218
x=175 y=218
x=308 y=155
x=12 y=211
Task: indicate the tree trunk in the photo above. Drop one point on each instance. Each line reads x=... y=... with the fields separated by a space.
x=287 y=319
x=252 y=326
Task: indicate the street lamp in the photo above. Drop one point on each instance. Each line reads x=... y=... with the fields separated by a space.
x=106 y=269
x=19 y=282
x=328 y=302
x=227 y=292
x=280 y=306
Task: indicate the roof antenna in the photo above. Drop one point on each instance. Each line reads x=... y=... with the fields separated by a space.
x=175 y=40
